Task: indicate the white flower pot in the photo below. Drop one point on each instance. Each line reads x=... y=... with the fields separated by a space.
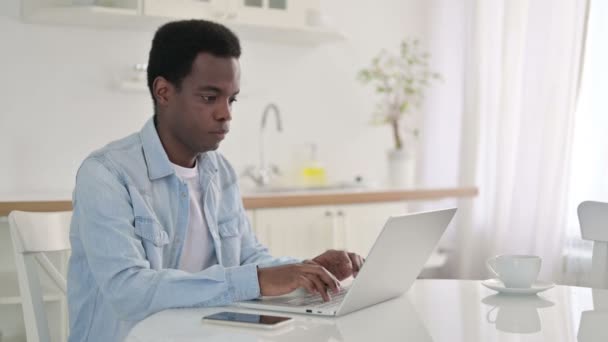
x=401 y=169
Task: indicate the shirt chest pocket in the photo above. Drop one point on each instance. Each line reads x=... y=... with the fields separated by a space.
x=153 y=238
x=230 y=236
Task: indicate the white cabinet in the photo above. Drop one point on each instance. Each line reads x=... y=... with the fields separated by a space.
x=271 y=13
x=276 y=20
x=362 y=223
x=90 y=13
x=298 y=232
x=185 y=9
x=277 y=13
x=307 y=231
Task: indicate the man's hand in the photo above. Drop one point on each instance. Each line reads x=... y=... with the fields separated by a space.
x=280 y=280
x=341 y=264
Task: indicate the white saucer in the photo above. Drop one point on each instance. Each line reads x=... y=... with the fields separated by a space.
x=497 y=285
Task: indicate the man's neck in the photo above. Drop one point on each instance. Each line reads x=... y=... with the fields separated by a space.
x=177 y=152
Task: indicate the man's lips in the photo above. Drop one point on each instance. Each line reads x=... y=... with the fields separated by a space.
x=220 y=133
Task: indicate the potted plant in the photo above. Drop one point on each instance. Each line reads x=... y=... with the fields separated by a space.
x=400 y=80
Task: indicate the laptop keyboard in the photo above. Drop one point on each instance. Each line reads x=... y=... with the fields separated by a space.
x=315 y=300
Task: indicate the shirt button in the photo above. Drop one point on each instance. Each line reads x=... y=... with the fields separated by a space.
x=183 y=194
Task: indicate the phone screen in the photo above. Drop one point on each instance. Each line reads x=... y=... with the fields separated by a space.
x=247 y=318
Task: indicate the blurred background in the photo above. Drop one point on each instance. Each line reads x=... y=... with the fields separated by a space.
x=499 y=105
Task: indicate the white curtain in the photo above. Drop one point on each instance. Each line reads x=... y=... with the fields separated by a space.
x=588 y=180
x=523 y=66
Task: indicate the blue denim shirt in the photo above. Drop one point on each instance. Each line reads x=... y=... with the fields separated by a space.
x=128 y=228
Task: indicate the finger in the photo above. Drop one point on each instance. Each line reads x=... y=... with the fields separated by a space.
x=346 y=267
x=357 y=262
x=340 y=265
x=307 y=284
x=337 y=263
x=322 y=289
x=309 y=262
x=326 y=277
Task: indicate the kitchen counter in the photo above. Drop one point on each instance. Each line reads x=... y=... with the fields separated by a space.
x=314 y=198
x=268 y=200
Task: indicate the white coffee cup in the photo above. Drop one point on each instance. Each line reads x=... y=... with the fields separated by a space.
x=516 y=271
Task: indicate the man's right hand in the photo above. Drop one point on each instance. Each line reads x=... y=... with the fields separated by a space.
x=280 y=280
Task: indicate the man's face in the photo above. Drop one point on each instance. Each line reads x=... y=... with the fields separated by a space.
x=199 y=113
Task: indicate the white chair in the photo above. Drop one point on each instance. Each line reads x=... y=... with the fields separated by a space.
x=34 y=234
x=593 y=218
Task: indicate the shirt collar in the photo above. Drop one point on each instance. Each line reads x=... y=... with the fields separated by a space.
x=157 y=160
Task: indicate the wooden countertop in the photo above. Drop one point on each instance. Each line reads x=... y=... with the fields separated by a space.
x=282 y=199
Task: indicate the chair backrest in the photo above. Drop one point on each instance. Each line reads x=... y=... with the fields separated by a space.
x=33 y=234
x=593 y=218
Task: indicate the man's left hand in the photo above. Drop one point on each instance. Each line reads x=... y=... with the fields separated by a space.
x=341 y=264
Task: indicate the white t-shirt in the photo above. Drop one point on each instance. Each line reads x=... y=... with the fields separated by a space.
x=198 y=252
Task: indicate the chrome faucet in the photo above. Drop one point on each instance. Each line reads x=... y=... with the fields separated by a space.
x=263 y=174
x=277 y=113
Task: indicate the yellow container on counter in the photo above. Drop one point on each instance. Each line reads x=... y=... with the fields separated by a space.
x=313 y=173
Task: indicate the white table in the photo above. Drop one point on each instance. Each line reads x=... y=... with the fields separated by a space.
x=433 y=310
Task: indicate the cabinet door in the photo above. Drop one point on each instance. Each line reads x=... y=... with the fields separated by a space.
x=273 y=13
x=185 y=9
x=297 y=232
x=360 y=224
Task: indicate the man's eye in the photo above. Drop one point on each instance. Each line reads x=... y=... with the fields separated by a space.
x=233 y=100
x=208 y=98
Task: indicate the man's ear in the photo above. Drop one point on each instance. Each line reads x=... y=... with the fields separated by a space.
x=163 y=90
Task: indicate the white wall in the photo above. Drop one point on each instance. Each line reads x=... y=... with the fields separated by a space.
x=59 y=103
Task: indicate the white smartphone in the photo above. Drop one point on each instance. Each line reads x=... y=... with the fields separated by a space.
x=248 y=320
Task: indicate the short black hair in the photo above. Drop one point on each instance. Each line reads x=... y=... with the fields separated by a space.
x=176 y=44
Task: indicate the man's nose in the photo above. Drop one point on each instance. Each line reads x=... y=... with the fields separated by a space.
x=224 y=111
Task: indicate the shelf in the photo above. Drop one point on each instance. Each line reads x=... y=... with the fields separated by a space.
x=9 y=290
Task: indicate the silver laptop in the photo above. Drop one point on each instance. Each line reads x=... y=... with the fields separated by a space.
x=394 y=262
